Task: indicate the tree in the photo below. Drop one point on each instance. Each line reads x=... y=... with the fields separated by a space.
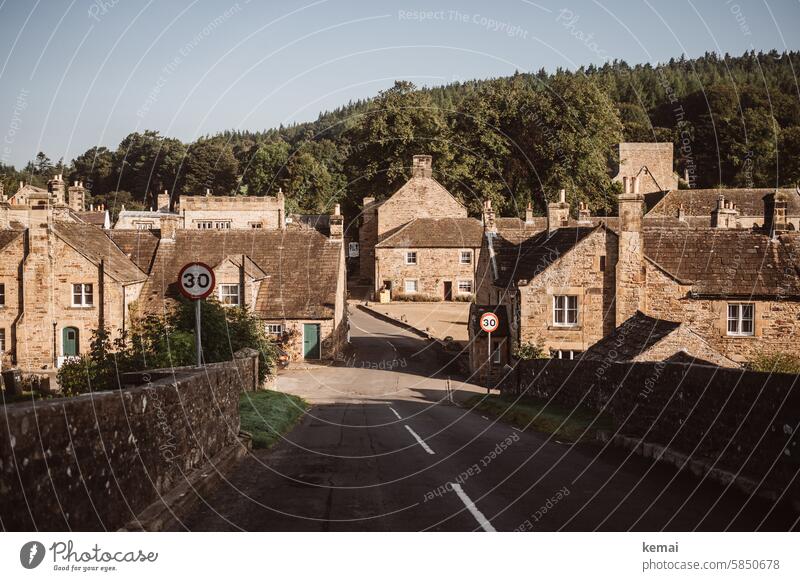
x=147 y=163
x=209 y=165
x=95 y=168
x=265 y=171
x=42 y=165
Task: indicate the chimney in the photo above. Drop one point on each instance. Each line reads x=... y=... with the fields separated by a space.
x=529 y=213
x=162 y=202
x=489 y=223
x=725 y=215
x=4 y=207
x=681 y=213
x=336 y=224
x=77 y=197
x=584 y=215
x=558 y=213
x=56 y=188
x=775 y=205
x=281 y=199
x=169 y=227
x=208 y=192
x=422 y=166
x=630 y=262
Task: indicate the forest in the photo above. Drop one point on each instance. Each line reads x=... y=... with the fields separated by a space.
x=733 y=121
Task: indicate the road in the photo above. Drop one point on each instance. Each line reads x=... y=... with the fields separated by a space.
x=380 y=450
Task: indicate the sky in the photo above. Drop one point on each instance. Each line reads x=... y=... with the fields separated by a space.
x=79 y=73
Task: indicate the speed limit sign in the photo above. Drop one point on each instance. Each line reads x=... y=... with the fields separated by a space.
x=489 y=322
x=196 y=280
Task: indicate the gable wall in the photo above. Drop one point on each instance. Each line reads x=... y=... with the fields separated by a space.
x=418 y=198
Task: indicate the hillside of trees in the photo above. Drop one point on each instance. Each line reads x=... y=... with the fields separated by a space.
x=734 y=121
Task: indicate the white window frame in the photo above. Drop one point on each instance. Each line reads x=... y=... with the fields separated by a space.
x=143 y=225
x=405 y=286
x=2 y=294
x=465 y=292
x=275 y=329
x=735 y=315
x=256 y=225
x=86 y=294
x=562 y=303
x=223 y=295
x=497 y=355
x=2 y=340
x=465 y=254
x=411 y=258
x=570 y=354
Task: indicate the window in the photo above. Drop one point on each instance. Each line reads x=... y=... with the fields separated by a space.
x=2 y=295
x=2 y=340
x=740 y=318
x=410 y=286
x=466 y=257
x=275 y=329
x=143 y=225
x=602 y=264
x=564 y=354
x=82 y=295
x=213 y=225
x=465 y=286
x=411 y=257
x=565 y=310
x=256 y=225
x=497 y=357
x=229 y=294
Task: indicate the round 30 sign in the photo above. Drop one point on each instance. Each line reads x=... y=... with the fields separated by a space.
x=489 y=322
x=196 y=280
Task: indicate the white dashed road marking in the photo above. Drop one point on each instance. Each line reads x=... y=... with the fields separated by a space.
x=420 y=441
x=482 y=520
x=395 y=413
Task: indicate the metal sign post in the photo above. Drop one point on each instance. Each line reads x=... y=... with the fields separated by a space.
x=488 y=324
x=196 y=281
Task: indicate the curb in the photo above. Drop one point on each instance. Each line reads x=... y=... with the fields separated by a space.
x=682 y=462
x=168 y=511
x=398 y=322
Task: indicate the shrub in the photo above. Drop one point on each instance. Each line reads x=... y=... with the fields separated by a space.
x=167 y=341
x=775 y=362
x=530 y=350
x=466 y=298
x=416 y=298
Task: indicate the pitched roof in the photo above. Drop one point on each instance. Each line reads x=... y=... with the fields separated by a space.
x=7 y=236
x=319 y=222
x=634 y=339
x=728 y=263
x=138 y=245
x=436 y=233
x=96 y=217
x=96 y=246
x=749 y=201
x=302 y=268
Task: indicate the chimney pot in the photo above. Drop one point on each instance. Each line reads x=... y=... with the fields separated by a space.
x=337 y=211
x=562 y=196
x=422 y=166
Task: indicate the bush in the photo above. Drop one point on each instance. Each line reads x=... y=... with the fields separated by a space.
x=467 y=298
x=529 y=350
x=162 y=342
x=775 y=362
x=416 y=298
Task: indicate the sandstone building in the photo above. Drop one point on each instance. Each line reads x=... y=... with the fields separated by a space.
x=419 y=241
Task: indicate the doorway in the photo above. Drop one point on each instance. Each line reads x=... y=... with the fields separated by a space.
x=70 y=342
x=448 y=290
x=311 y=347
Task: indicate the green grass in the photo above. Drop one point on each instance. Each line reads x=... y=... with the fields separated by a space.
x=267 y=415
x=533 y=414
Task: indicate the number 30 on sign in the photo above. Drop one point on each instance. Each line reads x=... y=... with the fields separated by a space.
x=196 y=280
x=489 y=322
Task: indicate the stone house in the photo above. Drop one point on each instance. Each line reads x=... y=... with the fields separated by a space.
x=420 y=198
x=60 y=280
x=569 y=287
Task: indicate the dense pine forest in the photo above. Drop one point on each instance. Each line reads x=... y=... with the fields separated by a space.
x=734 y=121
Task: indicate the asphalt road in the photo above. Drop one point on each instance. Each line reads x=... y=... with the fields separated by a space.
x=381 y=450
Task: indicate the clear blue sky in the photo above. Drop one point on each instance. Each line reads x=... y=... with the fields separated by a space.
x=79 y=73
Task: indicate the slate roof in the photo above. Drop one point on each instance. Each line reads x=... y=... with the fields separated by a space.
x=303 y=268
x=95 y=245
x=749 y=202
x=727 y=263
x=436 y=233
x=138 y=245
x=319 y=222
x=97 y=217
x=7 y=236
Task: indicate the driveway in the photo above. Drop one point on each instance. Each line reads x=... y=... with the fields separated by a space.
x=381 y=450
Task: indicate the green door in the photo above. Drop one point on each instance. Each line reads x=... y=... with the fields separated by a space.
x=69 y=340
x=311 y=341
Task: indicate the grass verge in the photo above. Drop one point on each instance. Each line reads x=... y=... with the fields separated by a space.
x=534 y=414
x=267 y=415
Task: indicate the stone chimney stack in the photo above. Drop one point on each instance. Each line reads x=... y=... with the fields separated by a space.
x=630 y=263
x=162 y=202
x=4 y=207
x=169 y=227
x=422 y=166
x=337 y=224
x=489 y=222
x=584 y=215
x=775 y=206
x=558 y=213
x=281 y=199
x=77 y=197
x=529 y=213
x=56 y=188
x=725 y=215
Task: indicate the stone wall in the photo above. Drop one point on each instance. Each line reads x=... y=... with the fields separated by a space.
x=95 y=461
x=241 y=211
x=434 y=267
x=742 y=420
x=420 y=197
x=656 y=157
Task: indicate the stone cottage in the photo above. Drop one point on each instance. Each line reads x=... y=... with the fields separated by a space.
x=419 y=240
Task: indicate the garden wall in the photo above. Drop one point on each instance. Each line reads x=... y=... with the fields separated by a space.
x=742 y=420
x=95 y=461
